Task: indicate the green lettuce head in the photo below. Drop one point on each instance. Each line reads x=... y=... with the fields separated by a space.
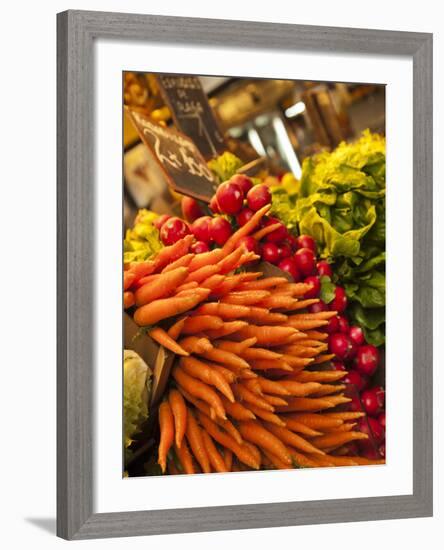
x=136 y=391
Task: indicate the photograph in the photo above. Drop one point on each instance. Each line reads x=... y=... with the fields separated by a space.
x=253 y=261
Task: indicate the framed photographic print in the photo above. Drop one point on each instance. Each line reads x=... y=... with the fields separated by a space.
x=244 y=305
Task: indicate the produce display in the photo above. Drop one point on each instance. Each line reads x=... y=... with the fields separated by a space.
x=270 y=371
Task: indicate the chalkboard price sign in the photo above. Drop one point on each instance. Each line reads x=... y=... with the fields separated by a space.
x=183 y=165
x=192 y=113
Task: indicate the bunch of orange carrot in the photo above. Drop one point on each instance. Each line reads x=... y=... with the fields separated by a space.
x=246 y=391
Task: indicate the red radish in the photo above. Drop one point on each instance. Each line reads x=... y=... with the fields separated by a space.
x=333 y=325
x=292 y=242
x=258 y=196
x=339 y=302
x=337 y=365
x=305 y=261
x=284 y=251
x=368 y=450
x=214 y=206
x=324 y=269
x=318 y=307
x=355 y=404
x=220 y=230
x=305 y=241
x=200 y=228
x=373 y=400
x=191 y=209
x=372 y=428
x=244 y=215
x=243 y=181
x=158 y=222
x=270 y=253
x=357 y=335
x=367 y=359
x=343 y=324
x=315 y=284
x=250 y=244
x=355 y=378
x=278 y=234
x=173 y=230
x=289 y=265
x=230 y=197
x=198 y=247
x=341 y=345
x=381 y=419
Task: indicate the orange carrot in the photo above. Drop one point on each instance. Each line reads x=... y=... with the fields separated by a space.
x=299 y=389
x=244 y=394
x=152 y=313
x=179 y=410
x=320 y=376
x=186 y=286
x=266 y=415
x=166 y=423
x=235 y=347
x=266 y=230
x=314 y=421
x=200 y=390
x=185 y=458
x=323 y=358
x=203 y=273
x=292 y=439
x=201 y=323
x=201 y=371
x=225 y=311
x=194 y=344
x=268 y=335
x=162 y=286
x=206 y=258
x=163 y=338
x=194 y=437
x=261 y=315
x=128 y=279
x=298 y=427
x=269 y=364
x=175 y=330
x=345 y=415
x=216 y=460
x=246 y=229
x=241 y=451
x=228 y=328
x=128 y=299
x=274 y=400
x=301 y=460
x=142 y=269
x=260 y=353
x=321 y=315
x=255 y=433
x=246 y=297
x=271 y=386
x=277 y=301
x=305 y=325
x=275 y=461
x=329 y=389
x=145 y=280
x=336 y=439
x=231 y=261
x=237 y=411
x=309 y=404
x=212 y=282
x=263 y=284
x=184 y=261
x=225 y=358
x=173 y=252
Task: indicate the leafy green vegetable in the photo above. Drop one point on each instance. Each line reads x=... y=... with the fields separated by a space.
x=142 y=241
x=136 y=390
x=341 y=203
x=327 y=293
x=284 y=207
x=224 y=166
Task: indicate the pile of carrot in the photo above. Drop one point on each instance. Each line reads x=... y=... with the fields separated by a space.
x=248 y=389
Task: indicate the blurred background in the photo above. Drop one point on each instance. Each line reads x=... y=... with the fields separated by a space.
x=269 y=124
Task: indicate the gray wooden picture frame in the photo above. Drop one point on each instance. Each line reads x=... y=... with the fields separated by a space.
x=76 y=32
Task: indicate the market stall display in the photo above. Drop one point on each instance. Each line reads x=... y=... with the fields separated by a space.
x=267 y=292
